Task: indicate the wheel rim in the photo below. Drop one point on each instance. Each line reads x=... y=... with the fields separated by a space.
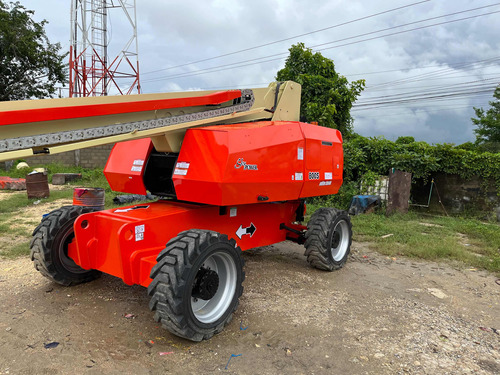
x=209 y=311
x=340 y=241
x=66 y=261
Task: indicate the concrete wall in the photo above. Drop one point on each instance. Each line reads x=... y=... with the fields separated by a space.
x=459 y=195
x=93 y=157
x=381 y=188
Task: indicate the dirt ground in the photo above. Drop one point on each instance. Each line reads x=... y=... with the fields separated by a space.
x=378 y=315
x=375 y=316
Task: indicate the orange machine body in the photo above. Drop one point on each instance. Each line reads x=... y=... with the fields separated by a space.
x=247 y=181
x=125 y=242
x=234 y=164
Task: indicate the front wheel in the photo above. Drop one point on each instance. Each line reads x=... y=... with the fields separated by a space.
x=197 y=283
x=49 y=247
x=328 y=239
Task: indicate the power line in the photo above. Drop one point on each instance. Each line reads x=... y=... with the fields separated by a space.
x=450 y=96
x=406 y=31
x=449 y=77
x=437 y=73
x=290 y=38
x=257 y=60
x=407 y=24
x=424 y=110
x=459 y=86
x=265 y=84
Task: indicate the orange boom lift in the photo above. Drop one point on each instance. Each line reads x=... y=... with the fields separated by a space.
x=232 y=170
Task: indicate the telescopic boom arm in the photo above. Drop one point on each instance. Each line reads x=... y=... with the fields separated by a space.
x=51 y=126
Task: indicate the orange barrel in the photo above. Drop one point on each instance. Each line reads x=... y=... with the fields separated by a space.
x=37 y=185
x=89 y=197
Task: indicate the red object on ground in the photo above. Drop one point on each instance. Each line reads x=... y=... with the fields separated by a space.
x=89 y=197
x=9 y=183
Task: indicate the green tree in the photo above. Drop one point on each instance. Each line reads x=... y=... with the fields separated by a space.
x=327 y=96
x=30 y=66
x=488 y=125
x=405 y=140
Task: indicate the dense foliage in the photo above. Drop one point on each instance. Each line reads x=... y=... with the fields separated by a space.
x=366 y=158
x=30 y=66
x=488 y=125
x=378 y=155
x=327 y=96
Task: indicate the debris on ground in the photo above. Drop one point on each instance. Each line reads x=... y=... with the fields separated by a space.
x=22 y=165
x=62 y=178
x=232 y=356
x=51 y=345
x=438 y=293
x=363 y=204
x=9 y=183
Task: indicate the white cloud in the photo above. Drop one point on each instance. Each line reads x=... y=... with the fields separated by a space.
x=179 y=32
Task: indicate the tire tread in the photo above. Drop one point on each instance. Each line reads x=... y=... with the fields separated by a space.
x=41 y=244
x=170 y=275
x=317 y=238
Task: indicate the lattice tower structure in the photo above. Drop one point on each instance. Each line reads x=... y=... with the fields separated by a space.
x=91 y=71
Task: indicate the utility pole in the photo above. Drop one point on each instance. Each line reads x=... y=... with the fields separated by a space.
x=91 y=71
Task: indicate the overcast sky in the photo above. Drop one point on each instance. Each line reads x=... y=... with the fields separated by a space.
x=421 y=82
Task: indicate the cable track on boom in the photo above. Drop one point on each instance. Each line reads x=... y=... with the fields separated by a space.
x=50 y=139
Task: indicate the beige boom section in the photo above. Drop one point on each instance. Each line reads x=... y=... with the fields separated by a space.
x=165 y=126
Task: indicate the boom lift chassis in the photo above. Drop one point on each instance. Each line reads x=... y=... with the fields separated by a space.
x=232 y=170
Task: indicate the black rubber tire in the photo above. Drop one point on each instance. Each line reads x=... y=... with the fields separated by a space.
x=322 y=233
x=49 y=247
x=174 y=278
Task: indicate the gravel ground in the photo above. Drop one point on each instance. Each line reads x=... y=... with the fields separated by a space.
x=378 y=315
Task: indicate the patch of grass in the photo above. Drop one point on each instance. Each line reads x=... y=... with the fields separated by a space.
x=469 y=241
x=18 y=201
x=21 y=249
x=4 y=226
x=14 y=202
x=90 y=178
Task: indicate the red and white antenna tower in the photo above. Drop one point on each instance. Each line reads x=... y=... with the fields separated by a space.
x=91 y=71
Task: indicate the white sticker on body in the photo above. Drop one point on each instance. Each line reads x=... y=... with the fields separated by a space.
x=180 y=172
x=182 y=164
x=139 y=232
x=300 y=153
x=136 y=169
x=298 y=176
x=328 y=175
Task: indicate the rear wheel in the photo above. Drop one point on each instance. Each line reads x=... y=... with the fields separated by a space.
x=328 y=239
x=49 y=247
x=197 y=284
